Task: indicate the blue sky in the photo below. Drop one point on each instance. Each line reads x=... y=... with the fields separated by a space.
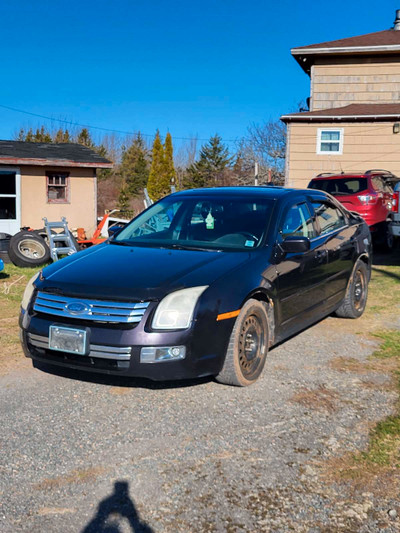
x=193 y=68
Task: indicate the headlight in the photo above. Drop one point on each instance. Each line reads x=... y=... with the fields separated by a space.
x=175 y=311
x=29 y=291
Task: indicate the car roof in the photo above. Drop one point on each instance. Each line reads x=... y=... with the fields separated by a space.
x=342 y=176
x=272 y=193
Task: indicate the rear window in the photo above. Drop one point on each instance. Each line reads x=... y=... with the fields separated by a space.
x=340 y=186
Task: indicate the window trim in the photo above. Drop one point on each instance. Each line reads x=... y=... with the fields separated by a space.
x=311 y=213
x=67 y=199
x=316 y=221
x=319 y=141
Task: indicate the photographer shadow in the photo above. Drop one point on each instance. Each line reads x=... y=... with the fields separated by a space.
x=116 y=508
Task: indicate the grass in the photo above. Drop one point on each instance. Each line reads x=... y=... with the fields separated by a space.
x=13 y=281
x=384 y=445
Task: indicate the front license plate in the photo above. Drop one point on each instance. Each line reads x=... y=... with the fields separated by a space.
x=69 y=340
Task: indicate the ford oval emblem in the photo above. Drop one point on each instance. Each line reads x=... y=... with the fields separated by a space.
x=77 y=308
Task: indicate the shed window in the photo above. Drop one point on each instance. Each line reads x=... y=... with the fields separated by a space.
x=330 y=141
x=57 y=188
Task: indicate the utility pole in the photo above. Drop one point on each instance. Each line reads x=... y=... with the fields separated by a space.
x=256 y=174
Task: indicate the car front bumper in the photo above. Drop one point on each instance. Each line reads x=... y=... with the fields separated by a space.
x=116 y=349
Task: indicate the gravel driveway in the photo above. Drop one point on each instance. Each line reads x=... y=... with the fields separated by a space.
x=85 y=456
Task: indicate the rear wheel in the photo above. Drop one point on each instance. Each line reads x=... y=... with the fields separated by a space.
x=28 y=249
x=355 y=300
x=248 y=346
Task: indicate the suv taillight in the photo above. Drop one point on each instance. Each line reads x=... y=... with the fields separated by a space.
x=395 y=201
x=368 y=199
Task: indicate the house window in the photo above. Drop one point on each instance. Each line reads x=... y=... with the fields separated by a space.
x=330 y=141
x=57 y=188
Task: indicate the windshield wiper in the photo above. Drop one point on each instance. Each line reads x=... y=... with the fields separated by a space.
x=120 y=243
x=195 y=248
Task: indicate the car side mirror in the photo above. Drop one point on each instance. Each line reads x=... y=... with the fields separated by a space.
x=293 y=245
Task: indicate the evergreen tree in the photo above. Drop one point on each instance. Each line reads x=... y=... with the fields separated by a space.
x=42 y=135
x=134 y=167
x=62 y=136
x=29 y=137
x=158 y=184
x=169 y=169
x=208 y=171
x=103 y=173
x=21 y=135
x=123 y=202
x=85 y=138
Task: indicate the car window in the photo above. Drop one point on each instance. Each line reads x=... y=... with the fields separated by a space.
x=207 y=223
x=298 y=222
x=328 y=216
x=340 y=186
x=377 y=183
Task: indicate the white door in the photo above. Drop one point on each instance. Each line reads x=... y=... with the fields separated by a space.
x=10 y=200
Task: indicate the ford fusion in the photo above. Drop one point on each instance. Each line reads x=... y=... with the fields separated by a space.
x=202 y=283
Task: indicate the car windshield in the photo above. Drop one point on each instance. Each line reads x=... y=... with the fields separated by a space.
x=200 y=223
x=340 y=186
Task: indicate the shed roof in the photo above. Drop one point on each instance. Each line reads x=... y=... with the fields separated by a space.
x=385 y=42
x=348 y=113
x=50 y=154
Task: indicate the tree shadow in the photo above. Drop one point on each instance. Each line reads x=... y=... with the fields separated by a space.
x=386 y=273
x=118 y=381
x=115 y=508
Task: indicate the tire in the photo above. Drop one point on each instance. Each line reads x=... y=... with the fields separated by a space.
x=4 y=256
x=383 y=239
x=355 y=300
x=388 y=243
x=28 y=250
x=250 y=334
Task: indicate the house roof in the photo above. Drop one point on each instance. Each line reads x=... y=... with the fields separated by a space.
x=377 y=43
x=349 y=113
x=50 y=154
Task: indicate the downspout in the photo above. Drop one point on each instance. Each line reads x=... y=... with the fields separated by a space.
x=95 y=198
x=287 y=166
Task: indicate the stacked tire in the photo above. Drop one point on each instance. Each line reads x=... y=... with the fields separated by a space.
x=28 y=249
x=4 y=247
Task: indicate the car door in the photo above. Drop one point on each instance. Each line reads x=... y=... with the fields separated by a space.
x=301 y=276
x=339 y=239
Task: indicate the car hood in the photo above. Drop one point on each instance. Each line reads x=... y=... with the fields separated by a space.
x=134 y=273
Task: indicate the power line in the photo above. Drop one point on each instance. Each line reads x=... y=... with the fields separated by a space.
x=104 y=129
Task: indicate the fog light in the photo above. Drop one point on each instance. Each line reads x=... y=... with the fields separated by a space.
x=159 y=354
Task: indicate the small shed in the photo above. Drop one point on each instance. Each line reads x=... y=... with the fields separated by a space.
x=48 y=180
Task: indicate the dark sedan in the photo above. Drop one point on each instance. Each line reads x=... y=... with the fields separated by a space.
x=203 y=282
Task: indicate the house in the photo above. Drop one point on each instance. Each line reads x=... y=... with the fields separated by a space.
x=353 y=122
x=48 y=180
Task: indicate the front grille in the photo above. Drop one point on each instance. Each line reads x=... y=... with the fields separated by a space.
x=117 y=353
x=100 y=311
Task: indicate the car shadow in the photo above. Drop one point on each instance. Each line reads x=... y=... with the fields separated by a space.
x=117 y=508
x=118 y=381
x=392 y=259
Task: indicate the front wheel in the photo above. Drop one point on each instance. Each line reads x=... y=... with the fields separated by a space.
x=248 y=346
x=355 y=300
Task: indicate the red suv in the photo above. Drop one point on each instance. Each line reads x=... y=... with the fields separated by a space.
x=370 y=194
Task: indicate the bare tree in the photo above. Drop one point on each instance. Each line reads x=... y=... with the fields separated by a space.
x=264 y=144
x=185 y=157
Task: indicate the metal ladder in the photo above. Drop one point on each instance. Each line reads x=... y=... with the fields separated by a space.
x=68 y=246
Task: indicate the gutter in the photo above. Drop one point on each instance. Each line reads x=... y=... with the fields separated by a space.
x=319 y=118
x=51 y=162
x=345 y=49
